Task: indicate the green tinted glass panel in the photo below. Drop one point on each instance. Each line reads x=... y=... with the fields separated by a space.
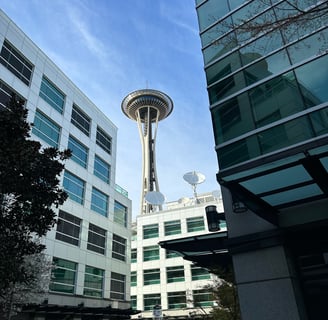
x=195 y=224
x=79 y=152
x=101 y=169
x=52 y=95
x=99 y=202
x=74 y=186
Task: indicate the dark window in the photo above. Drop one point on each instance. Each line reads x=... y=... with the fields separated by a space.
x=119 y=247
x=68 y=228
x=117 y=286
x=104 y=140
x=81 y=120
x=96 y=239
x=16 y=63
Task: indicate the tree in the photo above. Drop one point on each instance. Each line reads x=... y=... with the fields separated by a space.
x=29 y=190
x=224 y=292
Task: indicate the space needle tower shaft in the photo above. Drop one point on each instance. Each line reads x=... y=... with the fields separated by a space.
x=147 y=107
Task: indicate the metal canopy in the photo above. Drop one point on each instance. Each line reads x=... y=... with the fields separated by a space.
x=268 y=185
x=207 y=251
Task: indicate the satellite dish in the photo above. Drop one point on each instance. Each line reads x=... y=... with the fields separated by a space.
x=155 y=198
x=194 y=178
x=183 y=200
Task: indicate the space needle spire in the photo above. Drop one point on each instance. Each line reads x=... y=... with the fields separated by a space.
x=148 y=107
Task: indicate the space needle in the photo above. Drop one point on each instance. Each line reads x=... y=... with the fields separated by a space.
x=148 y=107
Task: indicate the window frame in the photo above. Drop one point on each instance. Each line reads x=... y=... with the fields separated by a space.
x=80 y=152
x=81 y=120
x=99 y=202
x=73 y=226
x=78 y=183
x=119 y=246
x=104 y=140
x=48 y=87
x=96 y=233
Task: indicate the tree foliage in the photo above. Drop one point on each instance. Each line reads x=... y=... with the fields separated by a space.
x=29 y=188
x=224 y=292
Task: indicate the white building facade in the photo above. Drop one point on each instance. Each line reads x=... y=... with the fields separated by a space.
x=163 y=278
x=90 y=245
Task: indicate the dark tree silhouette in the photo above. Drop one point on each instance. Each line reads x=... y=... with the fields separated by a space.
x=29 y=188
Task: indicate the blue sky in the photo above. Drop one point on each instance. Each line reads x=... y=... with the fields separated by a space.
x=109 y=48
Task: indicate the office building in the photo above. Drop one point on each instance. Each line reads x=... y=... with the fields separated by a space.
x=268 y=99
x=90 y=245
x=162 y=277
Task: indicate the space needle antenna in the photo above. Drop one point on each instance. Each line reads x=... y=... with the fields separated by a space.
x=147 y=107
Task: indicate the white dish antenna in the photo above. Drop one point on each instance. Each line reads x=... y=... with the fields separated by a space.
x=155 y=198
x=194 y=178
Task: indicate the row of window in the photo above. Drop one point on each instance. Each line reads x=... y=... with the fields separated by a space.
x=45 y=128
x=173 y=274
x=69 y=231
x=75 y=188
x=152 y=253
x=176 y=300
x=173 y=227
x=64 y=276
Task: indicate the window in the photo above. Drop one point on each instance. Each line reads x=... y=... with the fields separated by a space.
x=134 y=302
x=195 y=224
x=81 y=120
x=16 y=63
x=171 y=254
x=5 y=95
x=99 y=202
x=63 y=276
x=172 y=227
x=46 y=129
x=68 y=228
x=202 y=298
x=176 y=300
x=175 y=274
x=133 y=255
x=101 y=169
x=79 y=152
x=117 y=286
x=133 y=278
x=119 y=247
x=93 y=282
x=150 y=300
x=150 y=253
x=96 y=239
x=151 y=276
x=104 y=140
x=199 y=273
x=52 y=95
x=74 y=186
x=150 y=231
x=120 y=214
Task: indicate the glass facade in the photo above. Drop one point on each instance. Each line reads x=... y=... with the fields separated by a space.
x=261 y=84
x=268 y=99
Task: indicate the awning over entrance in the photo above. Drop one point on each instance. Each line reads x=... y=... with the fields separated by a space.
x=207 y=251
x=268 y=185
